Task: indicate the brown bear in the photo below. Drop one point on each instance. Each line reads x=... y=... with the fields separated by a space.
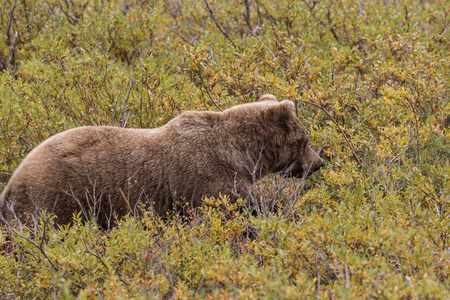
x=106 y=171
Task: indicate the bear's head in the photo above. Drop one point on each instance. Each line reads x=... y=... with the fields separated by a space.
x=288 y=147
x=265 y=137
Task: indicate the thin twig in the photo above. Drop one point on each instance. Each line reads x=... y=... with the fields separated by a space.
x=340 y=129
x=73 y=20
x=123 y=121
x=11 y=38
x=260 y=21
x=126 y=200
x=330 y=24
x=11 y=16
x=207 y=91
x=247 y=15
x=177 y=27
x=317 y=273
x=213 y=17
x=107 y=269
x=375 y=284
x=39 y=246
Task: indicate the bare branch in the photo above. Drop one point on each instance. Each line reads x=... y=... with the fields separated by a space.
x=207 y=90
x=11 y=39
x=247 y=15
x=123 y=120
x=213 y=17
x=126 y=200
x=260 y=22
x=11 y=16
x=107 y=269
x=39 y=246
x=73 y=19
x=317 y=273
x=375 y=284
x=330 y=24
x=352 y=148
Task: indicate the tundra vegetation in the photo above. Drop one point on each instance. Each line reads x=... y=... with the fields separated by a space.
x=371 y=79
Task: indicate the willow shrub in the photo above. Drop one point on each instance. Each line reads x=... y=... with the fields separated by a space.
x=371 y=82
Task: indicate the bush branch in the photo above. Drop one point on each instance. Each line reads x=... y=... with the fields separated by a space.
x=213 y=17
x=352 y=148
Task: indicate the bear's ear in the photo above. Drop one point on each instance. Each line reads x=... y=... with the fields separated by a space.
x=287 y=105
x=267 y=97
x=281 y=113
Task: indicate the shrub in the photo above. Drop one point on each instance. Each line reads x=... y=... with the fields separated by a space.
x=372 y=87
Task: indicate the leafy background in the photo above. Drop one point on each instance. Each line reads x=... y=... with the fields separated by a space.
x=372 y=82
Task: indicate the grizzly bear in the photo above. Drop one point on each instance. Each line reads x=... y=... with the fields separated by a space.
x=106 y=171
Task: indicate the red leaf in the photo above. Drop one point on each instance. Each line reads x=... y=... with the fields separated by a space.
x=148 y=256
x=436 y=108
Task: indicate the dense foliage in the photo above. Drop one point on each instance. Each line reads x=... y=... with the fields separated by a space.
x=372 y=82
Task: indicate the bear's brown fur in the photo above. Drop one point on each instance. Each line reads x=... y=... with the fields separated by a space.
x=106 y=171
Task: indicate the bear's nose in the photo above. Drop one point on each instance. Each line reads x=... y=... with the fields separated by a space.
x=322 y=164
